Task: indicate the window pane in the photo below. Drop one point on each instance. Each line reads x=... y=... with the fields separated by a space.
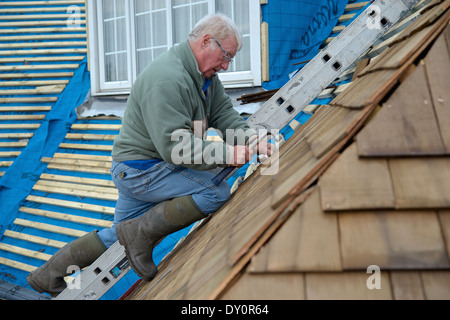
x=186 y=13
x=120 y=8
x=198 y=11
x=181 y=18
x=110 y=68
x=115 y=40
x=238 y=11
x=241 y=16
x=151 y=31
x=121 y=30
x=108 y=9
x=142 y=5
x=159 y=4
x=159 y=28
x=109 y=36
x=144 y=58
x=242 y=61
x=143 y=31
x=122 y=69
x=180 y=2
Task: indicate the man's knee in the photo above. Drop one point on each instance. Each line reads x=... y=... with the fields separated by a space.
x=211 y=199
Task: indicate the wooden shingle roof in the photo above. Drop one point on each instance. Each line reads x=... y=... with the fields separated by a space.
x=362 y=186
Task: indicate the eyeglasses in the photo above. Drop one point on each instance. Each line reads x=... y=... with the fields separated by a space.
x=227 y=57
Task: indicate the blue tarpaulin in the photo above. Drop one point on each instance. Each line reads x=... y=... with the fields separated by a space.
x=19 y=179
x=297 y=28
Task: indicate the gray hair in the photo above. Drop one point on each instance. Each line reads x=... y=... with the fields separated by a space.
x=217 y=25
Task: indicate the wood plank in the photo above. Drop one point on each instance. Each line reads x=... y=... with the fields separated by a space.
x=360 y=65
x=328 y=132
x=33 y=37
x=436 y=285
x=39 y=67
x=81 y=180
x=366 y=90
x=253 y=216
x=40 y=10
x=85 y=146
x=78 y=186
x=17 y=265
x=267 y=286
x=437 y=66
x=71 y=204
x=79 y=156
x=41 y=3
x=76 y=16
x=64 y=167
x=345 y=185
x=407 y=285
x=421 y=182
x=42 y=44
x=20 y=144
x=24 y=252
x=42 y=30
x=344 y=286
x=9 y=154
x=22 y=117
x=265 y=74
x=355 y=6
x=25 y=135
x=25 y=109
x=392 y=240
x=4 y=126
x=41 y=59
x=346 y=17
x=38 y=23
x=28 y=100
x=67 y=217
x=80 y=136
x=77 y=162
x=311 y=109
x=444 y=218
x=298 y=165
x=298 y=247
x=34 y=239
x=29 y=52
x=49 y=228
x=75 y=192
x=406 y=125
x=28 y=83
x=86 y=126
x=411 y=41
x=36 y=75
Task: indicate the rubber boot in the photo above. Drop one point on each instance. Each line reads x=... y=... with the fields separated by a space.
x=140 y=235
x=81 y=253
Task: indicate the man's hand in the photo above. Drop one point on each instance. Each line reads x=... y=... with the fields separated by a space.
x=240 y=155
x=265 y=148
x=262 y=147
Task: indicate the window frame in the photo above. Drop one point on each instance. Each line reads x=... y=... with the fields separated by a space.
x=99 y=86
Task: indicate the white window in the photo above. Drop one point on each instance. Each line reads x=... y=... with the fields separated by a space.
x=126 y=35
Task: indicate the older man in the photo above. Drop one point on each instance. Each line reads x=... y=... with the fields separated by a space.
x=162 y=166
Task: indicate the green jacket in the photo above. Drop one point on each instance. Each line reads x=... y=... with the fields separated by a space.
x=167 y=114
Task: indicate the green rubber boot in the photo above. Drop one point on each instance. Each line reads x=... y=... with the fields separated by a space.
x=81 y=253
x=140 y=235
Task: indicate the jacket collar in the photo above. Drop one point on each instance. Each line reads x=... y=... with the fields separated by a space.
x=186 y=55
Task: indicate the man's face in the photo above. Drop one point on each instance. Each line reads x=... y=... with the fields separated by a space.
x=215 y=58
